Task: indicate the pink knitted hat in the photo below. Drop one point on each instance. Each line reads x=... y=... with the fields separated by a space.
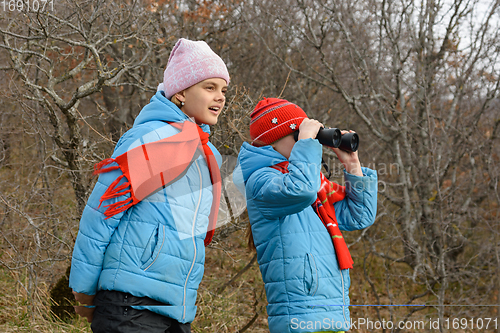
x=191 y=62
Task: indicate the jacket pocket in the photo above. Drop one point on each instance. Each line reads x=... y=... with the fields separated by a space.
x=153 y=247
x=310 y=275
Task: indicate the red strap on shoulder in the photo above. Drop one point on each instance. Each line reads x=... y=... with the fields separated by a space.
x=282 y=167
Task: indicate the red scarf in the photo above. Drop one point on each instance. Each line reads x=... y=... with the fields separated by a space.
x=329 y=193
x=166 y=160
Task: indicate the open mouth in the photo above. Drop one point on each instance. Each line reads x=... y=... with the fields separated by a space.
x=214 y=109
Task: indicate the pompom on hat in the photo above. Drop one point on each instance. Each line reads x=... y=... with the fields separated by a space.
x=273 y=119
x=191 y=62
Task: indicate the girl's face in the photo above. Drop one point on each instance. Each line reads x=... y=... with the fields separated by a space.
x=204 y=101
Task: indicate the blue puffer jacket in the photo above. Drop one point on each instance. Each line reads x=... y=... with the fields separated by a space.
x=155 y=248
x=306 y=291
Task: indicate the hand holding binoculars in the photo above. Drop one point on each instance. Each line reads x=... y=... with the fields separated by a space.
x=332 y=137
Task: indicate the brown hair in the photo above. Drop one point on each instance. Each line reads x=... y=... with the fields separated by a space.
x=251 y=245
x=174 y=100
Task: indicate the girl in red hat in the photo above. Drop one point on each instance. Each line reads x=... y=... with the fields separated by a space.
x=296 y=217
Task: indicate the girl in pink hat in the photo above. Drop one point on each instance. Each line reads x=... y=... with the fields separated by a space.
x=140 y=251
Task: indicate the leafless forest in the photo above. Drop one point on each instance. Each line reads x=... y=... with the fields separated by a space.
x=418 y=80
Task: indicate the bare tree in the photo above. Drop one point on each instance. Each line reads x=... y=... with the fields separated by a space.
x=63 y=56
x=54 y=57
x=418 y=80
x=76 y=75
x=422 y=80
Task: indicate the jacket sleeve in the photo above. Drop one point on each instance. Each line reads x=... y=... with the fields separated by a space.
x=359 y=207
x=277 y=194
x=93 y=238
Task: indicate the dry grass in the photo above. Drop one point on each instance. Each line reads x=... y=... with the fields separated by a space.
x=234 y=307
x=227 y=311
x=20 y=312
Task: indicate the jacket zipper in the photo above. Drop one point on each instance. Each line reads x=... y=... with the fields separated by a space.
x=194 y=241
x=343 y=297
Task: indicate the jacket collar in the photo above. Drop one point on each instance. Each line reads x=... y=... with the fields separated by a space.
x=161 y=109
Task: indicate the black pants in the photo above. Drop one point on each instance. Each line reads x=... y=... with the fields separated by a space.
x=114 y=314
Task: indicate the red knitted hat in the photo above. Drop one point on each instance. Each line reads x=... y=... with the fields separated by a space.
x=272 y=119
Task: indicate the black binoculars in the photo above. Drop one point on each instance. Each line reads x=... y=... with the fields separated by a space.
x=332 y=137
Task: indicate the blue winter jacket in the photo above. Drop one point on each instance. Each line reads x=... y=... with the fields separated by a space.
x=155 y=248
x=306 y=291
